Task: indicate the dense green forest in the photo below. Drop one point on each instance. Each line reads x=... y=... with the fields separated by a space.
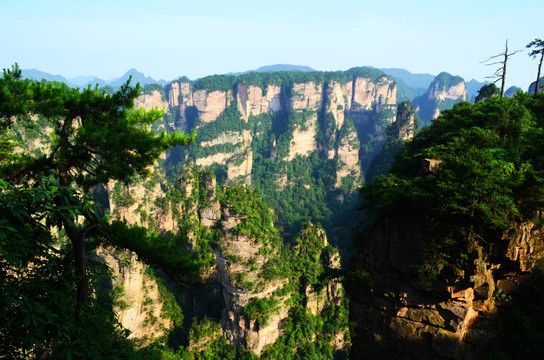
x=488 y=176
x=463 y=189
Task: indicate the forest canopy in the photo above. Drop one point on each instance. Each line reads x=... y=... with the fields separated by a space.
x=468 y=176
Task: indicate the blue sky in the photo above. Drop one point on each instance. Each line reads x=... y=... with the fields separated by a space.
x=167 y=39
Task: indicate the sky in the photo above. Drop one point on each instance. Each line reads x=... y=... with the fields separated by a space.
x=167 y=39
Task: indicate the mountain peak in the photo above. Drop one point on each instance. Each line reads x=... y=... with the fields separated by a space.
x=137 y=77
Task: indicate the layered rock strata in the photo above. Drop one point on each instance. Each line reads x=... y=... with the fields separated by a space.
x=328 y=104
x=400 y=318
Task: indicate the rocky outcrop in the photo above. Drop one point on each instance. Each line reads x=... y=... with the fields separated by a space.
x=239 y=269
x=136 y=204
x=532 y=87
x=239 y=162
x=347 y=158
x=241 y=259
x=303 y=141
x=370 y=103
x=415 y=321
x=254 y=101
x=445 y=91
x=367 y=93
x=401 y=130
x=210 y=104
x=137 y=300
x=339 y=98
x=333 y=291
x=441 y=92
x=153 y=100
x=306 y=96
x=406 y=122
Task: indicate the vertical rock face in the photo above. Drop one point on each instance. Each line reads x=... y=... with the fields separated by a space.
x=242 y=258
x=369 y=103
x=347 y=157
x=303 y=141
x=136 y=204
x=239 y=161
x=367 y=94
x=406 y=122
x=532 y=87
x=252 y=100
x=395 y=311
x=174 y=92
x=332 y=292
x=137 y=299
x=306 y=96
x=440 y=91
x=339 y=97
x=151 y=101
x=211 y=104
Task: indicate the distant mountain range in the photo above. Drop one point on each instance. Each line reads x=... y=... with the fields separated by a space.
x=277 y=67
x=84 y=81
x=417 y=81
x=410 y=85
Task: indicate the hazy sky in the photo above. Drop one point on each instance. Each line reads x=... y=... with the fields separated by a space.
x=167 y=39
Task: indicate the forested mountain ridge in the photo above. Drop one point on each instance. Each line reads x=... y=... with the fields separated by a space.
x=452 y=264
x=304 y=139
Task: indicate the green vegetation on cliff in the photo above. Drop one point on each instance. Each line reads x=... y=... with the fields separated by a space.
x=445 y=81
x=317 y=316
x=469 y=176
x=284 y=78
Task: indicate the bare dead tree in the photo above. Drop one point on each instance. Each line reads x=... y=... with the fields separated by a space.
x=538 y=48
x=500 y=73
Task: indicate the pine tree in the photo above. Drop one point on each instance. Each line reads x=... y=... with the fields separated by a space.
x=91 y=138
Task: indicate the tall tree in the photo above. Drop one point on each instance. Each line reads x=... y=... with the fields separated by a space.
x=500 y=73
x=90 y=138
x=537 y=46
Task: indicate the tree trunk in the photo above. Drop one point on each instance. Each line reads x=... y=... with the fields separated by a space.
x=538 y=75
x=78 y=242
x=504 y=69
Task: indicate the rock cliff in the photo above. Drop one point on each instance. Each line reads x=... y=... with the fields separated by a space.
x=242 y=262
x=369 y=100
x=444 y=271
x=400 y=318
x=443 y=93
x=399 y=132
x=138 y=301
x=282 y=132
x=532 y=87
